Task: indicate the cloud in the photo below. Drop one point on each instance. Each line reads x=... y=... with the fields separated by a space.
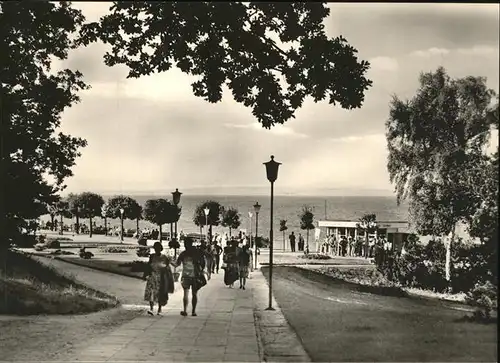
x=276 y=130
x=384 y=64
x=478 y=50
x=356 y=138
x=431 y=52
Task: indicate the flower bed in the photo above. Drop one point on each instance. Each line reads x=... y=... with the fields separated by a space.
x=113 y=249
x=316 y=256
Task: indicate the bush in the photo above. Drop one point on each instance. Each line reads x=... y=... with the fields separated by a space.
x=113 y=249
x=25 y=241
x=262 y=242
x=53 y=243
x=61 y=252
x=99 y=230
x=424 y=266
x=420 y=267
x=484 y=297
x=316 y=256
x=143 y=251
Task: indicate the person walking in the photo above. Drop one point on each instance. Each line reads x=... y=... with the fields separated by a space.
x=291 y=237
x=243 y=265
x=231 y=272
x=206 y=248
x=160 y=281
x=301 y=242
x=193 y=264
x=217 y=252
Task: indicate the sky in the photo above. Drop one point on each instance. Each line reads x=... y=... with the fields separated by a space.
x=152 y=135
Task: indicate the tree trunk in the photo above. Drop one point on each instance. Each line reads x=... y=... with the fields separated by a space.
x=448 y=254
x=229 y=232
x=105 y=226
x=284 y=242
x=62 y=230
x=307 y=239
x=90 y=232
x=210 y=231
x=77 y=224
x=171 y=230
x=160 y=233
x=52 y=218
x=137 y=226
x=366 y=244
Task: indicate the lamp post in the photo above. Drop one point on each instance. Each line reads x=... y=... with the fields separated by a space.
x=77 y=222
x=176 y=197
x=250 y=215
x=256 y=208
x=206 y=211
x=104 y=214
x=272 y=174
x=121 y=220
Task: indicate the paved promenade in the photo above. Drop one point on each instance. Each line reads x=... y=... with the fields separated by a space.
x=224 y=330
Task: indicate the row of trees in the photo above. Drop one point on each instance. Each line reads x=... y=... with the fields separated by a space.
x=91 y=205
x=227 y=217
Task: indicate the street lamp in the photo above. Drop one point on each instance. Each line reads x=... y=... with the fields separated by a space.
x=176 y=197
x=250 y=215
x=256 y=208
x=272 y=174
x=206 y=210
x=77 y=222
x=104 y=214
x=121 y=220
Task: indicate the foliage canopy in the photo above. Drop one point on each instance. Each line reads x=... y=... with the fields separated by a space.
x=234 y=44
x=36 y=158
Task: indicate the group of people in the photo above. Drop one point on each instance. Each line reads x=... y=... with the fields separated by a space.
x=197 y=262
x=301 y=242
x=348 y=246
x=160 y=280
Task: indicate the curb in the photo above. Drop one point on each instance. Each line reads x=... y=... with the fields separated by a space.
x=277 y=340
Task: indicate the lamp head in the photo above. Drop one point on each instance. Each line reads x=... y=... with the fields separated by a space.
x=256 y=207
x=206 y=210
x=250 y=214
x=121 y=211
x=272 y=169
x=176 y=196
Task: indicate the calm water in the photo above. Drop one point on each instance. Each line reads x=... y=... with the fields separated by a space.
x=285 y=207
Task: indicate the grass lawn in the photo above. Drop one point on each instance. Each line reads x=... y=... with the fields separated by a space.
x=338 y=321
x=28 y=287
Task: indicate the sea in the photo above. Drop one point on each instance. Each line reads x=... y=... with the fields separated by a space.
x=285 y=207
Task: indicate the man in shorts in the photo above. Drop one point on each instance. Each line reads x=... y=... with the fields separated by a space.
x=193 y=264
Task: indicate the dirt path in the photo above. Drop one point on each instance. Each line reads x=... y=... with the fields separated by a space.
x=57 y=337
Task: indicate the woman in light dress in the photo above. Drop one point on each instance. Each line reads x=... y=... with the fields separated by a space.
x=160 y=281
